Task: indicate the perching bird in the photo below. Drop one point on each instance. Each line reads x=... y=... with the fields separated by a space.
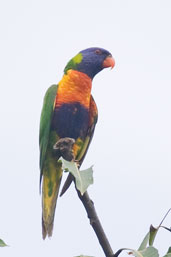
x=69 y=110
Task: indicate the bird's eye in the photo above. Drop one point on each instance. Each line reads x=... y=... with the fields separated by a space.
x=98 y=51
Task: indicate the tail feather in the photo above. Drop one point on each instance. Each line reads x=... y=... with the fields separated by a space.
x=50 y=190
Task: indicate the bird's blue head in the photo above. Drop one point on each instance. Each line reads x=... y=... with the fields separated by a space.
x=91 y=61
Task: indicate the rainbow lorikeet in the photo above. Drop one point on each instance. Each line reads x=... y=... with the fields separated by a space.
x=69 y=110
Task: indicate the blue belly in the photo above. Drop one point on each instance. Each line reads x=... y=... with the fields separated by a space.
x=71 y=120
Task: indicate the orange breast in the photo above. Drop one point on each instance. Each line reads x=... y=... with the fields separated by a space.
x=75 y=86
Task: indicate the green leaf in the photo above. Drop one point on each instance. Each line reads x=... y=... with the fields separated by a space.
x=168 y=253
x=2 y=243
x=83 y=178
x=148 y=252
x=153 y=233
x=169 y=250
x=144 y=242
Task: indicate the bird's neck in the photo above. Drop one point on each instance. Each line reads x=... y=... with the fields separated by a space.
x=75 y=86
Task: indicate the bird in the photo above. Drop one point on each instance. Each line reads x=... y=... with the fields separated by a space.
x=69 y=111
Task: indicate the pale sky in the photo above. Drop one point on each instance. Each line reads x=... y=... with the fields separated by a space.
x=131 y=148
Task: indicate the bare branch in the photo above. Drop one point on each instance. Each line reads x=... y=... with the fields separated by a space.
x=63 y=148
x=95 y=223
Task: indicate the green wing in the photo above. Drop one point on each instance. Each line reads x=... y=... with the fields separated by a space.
x=45 y=122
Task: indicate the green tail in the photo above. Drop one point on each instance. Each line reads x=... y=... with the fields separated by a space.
x=50 y=189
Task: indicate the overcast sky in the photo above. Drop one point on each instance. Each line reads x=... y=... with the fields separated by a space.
x=131 y=148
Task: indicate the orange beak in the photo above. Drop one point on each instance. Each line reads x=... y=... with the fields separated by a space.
x=109 y=62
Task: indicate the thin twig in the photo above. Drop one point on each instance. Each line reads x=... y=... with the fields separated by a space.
x=164 y=217
x=95 y=223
